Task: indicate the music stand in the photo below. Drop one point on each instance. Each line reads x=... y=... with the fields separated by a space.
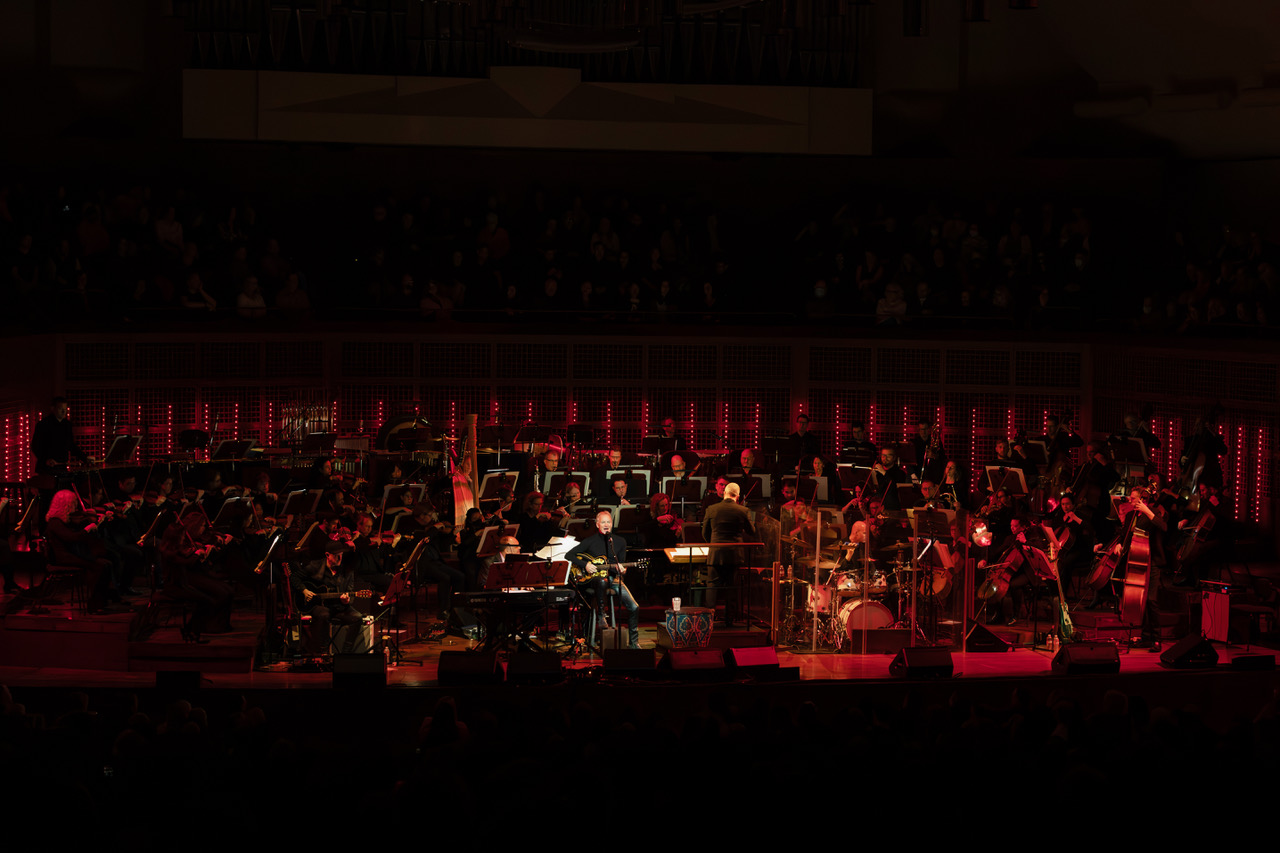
x=754 y=487
x=269 y=614
x=806 y=487
x=1037 y=450
x=233 y=510
x=318 y=444
x=1012 y=480
x=1131 y=456
x=557 y=547
x=555 y=482
x=122 y=449
x=908 y=494
x=491 y=482
x=629 y=474
x=684 y=492
x=657 y=445
x=230 y=449
x=489 y=544
x=853 y=477
x=389 y=599
x=301 y=502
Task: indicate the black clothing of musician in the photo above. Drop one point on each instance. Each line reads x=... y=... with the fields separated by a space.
x=321 y=576
x=52 y=442
x=726 y=522
x=605 y=543
x=181 y=560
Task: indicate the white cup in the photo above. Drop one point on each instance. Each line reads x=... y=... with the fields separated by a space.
x=675 y=605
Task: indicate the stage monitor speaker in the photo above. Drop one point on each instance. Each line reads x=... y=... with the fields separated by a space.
x=981 y=639
x=761 y=663
x=1086 y=659
x=534 y=668
x=359 y=671
x=922 y=662
x=1253 y=662
x=695 y=660
x=468 y=668
x=1191 y=652
x=629 y=661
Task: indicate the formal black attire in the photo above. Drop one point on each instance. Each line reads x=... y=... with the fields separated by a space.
x=315 y=576
x=52 y=440
x=725 y=522
x=209 y=598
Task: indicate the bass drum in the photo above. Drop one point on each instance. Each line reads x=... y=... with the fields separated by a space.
x=857 y=614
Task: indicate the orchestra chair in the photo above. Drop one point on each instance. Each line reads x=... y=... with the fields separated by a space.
x=56 y=578
x=161 y=608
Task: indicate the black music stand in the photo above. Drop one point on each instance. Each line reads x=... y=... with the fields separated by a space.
x=122 y=449
x=301 y=502
x=232 y=449
x=492 y=482
x=270 y=614
x=392 y=496
x=555 y=482
x=806 y=487
x=232 y=511
x=318 y=444
x=1012 y=480
x=853 y=477
x=753 y=487
x=1037 y=450
x=1132 y=455
x=399 y=584
x=684 y=492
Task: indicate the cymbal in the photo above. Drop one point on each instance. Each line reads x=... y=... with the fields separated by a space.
x=892 y=550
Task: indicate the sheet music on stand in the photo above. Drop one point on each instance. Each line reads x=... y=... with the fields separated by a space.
x=233 y=510
x=1011 y=480
x=556 y=548
x=393 y=495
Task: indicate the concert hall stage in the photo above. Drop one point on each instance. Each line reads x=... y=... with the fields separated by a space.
x=62 y=649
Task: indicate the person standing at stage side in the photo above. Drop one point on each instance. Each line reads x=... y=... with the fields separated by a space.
x=726 y=522
x=52 y=442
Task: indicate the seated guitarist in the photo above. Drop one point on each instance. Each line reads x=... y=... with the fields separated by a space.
x=316 y=579
x=613 y=549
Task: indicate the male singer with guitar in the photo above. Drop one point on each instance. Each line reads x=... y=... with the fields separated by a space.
x=611 y=549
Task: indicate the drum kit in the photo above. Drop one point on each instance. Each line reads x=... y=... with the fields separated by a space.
x=846 y=600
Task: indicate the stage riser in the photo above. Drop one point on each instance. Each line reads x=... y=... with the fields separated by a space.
x=51 y=642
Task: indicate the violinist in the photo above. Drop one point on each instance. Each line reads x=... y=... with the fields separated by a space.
x=71 y=539
x=824 y=471
x=214 y=496
x=322 y=475
x=663 y=528
x=183 y=556
x=793 y=513
x=997 y=513
x=1136 y=427
x=536 y=526
x=468 y=536
x=368 y=555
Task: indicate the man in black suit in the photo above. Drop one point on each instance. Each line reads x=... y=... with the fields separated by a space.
x=613 y=548
x=726 y=522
